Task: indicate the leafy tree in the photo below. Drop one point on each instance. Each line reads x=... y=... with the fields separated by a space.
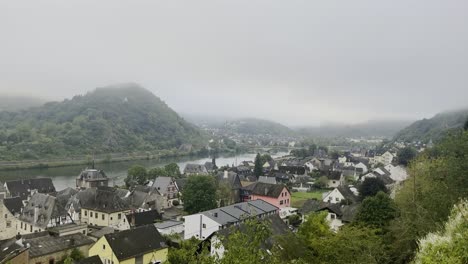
x=322 y=182
x=448 y=245
x=465 y=127
x=156 y=172
x=199 y=194
x=188 y=252
x=172 y=170
x=136 y=174
x=371 y=186
x=406 y=154
x=224 y=194
x=258 y=169
x=377 y=211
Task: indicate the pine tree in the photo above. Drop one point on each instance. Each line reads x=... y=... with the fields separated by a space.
x=258 y=169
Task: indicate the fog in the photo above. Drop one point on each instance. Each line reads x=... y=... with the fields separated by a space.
x=296 y=62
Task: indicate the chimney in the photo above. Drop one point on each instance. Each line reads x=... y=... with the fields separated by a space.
x=36 y=214
x=225 y=174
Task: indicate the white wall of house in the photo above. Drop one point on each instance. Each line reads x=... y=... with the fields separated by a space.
x=176 y=229
x=199 y=226
x=7 y=223
x=333 y=183
x=334 y=222
x=123 y=224
x=362 y=166
x=334 y=197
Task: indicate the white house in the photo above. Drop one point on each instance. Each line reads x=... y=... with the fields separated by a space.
x=340 y=194
x=203 y=224
x=362 y=166
x=170 y=227
x=385 y=158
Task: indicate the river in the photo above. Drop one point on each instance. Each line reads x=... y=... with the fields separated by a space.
x=64 y=177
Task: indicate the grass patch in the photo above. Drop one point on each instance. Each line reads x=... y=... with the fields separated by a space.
x=298 y=198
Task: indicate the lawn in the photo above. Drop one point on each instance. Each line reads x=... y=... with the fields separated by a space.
x=298 y=198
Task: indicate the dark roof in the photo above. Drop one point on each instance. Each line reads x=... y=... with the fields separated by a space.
x=13 y=204
x=105 y=199
x=311 y=205
x=265 y=189
x=92 y=175
x=181 y=183
x=349 y=211
x=334 y=208
x=20 y=187
x=143 y=218
x=230 y=178
x=10 y=249
x=240 y=211
x=195 y=168
x=334 y=175
x=91 y=260
x=45 y=245
x=46 y=207
x=130 y=243
x=347 y=193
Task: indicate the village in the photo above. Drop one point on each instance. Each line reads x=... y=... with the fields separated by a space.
x=107 y=224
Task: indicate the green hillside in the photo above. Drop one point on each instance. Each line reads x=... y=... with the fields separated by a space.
x=253 y=126
x=114 y=119
x=433 y=128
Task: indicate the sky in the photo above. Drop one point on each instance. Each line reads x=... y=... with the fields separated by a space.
x=295 y=62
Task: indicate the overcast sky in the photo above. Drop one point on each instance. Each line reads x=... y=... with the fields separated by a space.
x=296 y=62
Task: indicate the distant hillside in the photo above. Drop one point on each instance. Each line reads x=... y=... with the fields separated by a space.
x=433 y=128
x=122 y=118
x=16 y=103
x=369 y=129
x=252 y=126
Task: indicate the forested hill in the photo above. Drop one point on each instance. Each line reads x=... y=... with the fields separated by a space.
x=112 y=119
x=253 y=126
x=434 y=128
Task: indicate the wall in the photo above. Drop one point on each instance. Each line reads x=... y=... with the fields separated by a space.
x=21 y=258
x=7 y=223
x=334 y=197
x=105 y=253
x=192 y=226
x=111 y=219
x=177 y=229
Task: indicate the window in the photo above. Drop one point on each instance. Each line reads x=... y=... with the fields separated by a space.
x=337 y=199
x=91 y=214
x=204 y=225
x=51 y=261
x=332 y=216
x=111 y=218
x=119 y=216
x=21 y=225
x=85 y=213
x=96 y=215
x=334 y=181
x=103 y=217
x=30 y=228
x=8 y=224
x=103 y=247
x=281 y=202
x=6 y=216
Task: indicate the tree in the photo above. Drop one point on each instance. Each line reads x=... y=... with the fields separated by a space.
x=258 y=169
x=406 y=154
x=199 y=194
x=448 y=245
x=172 y=170
x=371 y=186
x=322 y=182
x=156 y=172
x=189 y=252
x=377 y=211
x=136 y=174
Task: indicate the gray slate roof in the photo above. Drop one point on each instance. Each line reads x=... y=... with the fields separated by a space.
x=265 y=189
x=102 y=199
x=45 y=245
x=161 y=184
x=236 y=212
x=22 y=188
x=47 y=208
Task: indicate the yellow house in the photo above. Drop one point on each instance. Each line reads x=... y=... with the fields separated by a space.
x=135 y=246
x=102 y=206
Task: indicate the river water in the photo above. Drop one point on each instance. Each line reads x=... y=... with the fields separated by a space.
x=64 y=177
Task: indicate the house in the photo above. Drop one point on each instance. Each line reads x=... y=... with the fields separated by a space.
x=341 y=194
x=283 y=177
x=194 y=169
x=63 y=198
x=13 y=252
x=102 y=206
x=384 y=159
x=26 y=188
x=140 y=245
x=275 y=194
x=232 y=181
x=45 y=248
x=145 y=198
x=337 y=214
x=41 y=212
x=335 y=179
x=7 y=222
x=167 y=187
x=363 y=167
x=90 y=178
x=138 y=219
x=218 y=241
x=203 y=224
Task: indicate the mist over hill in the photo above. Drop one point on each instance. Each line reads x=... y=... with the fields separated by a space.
x=15 y=102
x=118 y=118
x=433 y=128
